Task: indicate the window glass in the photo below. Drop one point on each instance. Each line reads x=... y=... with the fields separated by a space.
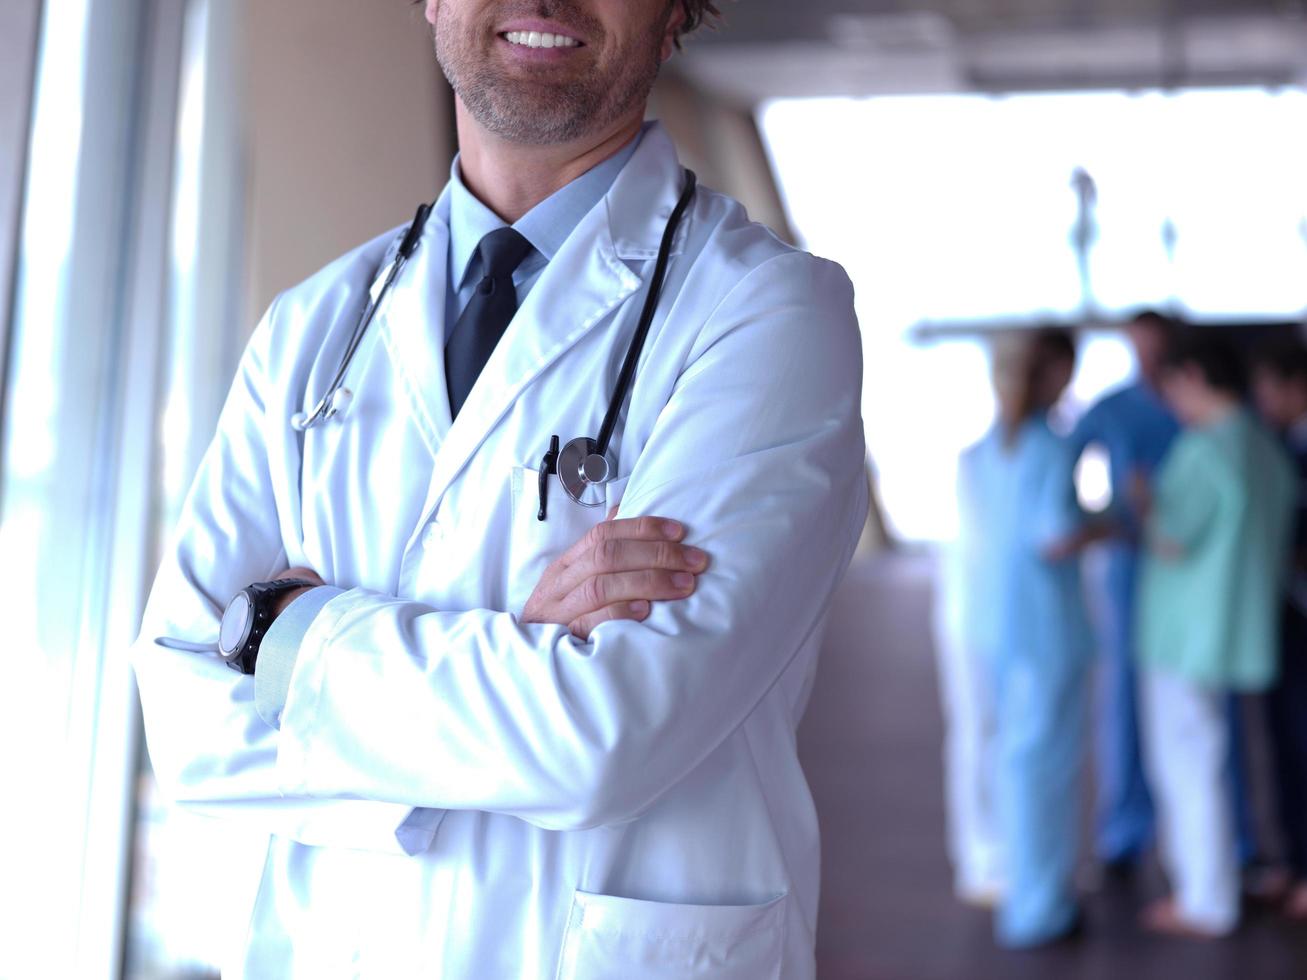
x=967 y=211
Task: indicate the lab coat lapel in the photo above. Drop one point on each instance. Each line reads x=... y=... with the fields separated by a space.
x=413 y=326
x=584 y=283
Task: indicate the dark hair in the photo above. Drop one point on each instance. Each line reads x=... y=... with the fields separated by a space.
x=1045 y=350
x=1154 y=320
x=697 y=13
x=1285 y=358
x=1215 y=358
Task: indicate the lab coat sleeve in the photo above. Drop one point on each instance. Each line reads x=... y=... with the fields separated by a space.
x=279 y=648
x=759 y=451
x=209 y=748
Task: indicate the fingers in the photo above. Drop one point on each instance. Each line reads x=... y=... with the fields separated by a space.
x=629 y=529
x=601 y=591
x=583 y=626
x=614 y=555
x=307 y=574
x=616 y=563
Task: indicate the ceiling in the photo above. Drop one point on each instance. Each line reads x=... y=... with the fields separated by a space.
x=770 y=48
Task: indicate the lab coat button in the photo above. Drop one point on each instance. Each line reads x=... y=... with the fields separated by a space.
x=432 y=535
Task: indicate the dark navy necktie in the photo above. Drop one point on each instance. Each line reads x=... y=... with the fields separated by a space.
x=487 y=315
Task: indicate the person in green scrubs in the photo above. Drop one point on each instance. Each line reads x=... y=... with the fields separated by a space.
x=1217 y=535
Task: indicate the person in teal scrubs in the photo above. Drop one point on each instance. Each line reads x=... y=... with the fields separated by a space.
x=1137 y=428
x=1217 y=538
x=1031 y=631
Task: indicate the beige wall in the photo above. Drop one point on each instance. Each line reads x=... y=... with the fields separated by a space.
x=348 y=129
x=720 y=142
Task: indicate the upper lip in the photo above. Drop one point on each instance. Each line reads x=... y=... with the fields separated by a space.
x=542 y=26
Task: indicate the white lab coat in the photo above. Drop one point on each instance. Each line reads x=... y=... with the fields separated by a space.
x=456 y=794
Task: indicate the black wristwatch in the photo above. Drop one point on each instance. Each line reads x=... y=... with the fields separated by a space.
x=248 y=616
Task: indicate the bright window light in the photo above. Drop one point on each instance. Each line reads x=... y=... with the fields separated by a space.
x=964 y=209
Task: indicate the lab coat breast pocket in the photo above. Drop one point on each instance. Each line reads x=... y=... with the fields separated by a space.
x=611 y=938
x=534 y=543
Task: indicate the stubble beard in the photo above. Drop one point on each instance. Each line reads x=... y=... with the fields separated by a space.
x=544 y=111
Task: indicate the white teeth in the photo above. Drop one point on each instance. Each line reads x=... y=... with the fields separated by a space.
x=536 y=39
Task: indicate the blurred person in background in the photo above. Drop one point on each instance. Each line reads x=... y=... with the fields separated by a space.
x=962 y=621
x=1280 y=390
x=1217 y=524
x=1022 y=530
x=1136 y=428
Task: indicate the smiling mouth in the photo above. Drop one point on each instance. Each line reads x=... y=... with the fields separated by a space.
x=538 y=39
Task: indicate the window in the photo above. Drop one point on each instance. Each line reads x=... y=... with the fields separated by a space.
x=111 y=289
x=963 y=211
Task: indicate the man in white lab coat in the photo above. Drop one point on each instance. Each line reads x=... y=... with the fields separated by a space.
x=492 y=745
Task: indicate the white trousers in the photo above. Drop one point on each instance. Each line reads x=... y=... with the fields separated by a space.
x=1186 y=747
x=970 y=758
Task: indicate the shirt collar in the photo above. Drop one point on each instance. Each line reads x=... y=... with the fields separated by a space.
x=546 y=226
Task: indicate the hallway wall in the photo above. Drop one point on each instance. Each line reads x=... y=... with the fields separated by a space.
x=350 y=128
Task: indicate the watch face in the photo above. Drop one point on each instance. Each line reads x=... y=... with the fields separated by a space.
x=235 y=625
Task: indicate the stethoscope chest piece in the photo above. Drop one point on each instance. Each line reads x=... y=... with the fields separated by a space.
x=583 y=470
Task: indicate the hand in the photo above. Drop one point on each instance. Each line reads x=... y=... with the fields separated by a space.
x=1141 y=496
x=1063 y=549
x=286 y=598
x=614 y=572
x=1083 y=537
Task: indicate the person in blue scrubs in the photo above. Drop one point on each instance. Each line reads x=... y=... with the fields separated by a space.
x=1033 y=636
x=1136 y=429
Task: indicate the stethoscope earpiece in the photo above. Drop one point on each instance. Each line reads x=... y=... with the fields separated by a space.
x=339 y=401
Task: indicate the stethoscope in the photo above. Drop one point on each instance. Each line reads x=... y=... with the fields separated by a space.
x=584 y=465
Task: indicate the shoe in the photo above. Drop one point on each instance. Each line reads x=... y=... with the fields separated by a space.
x=1266 y=882
x=1073 y=933
x=981 y=896
x=1162 y=918
x=1120 y=870
x=1295 y=904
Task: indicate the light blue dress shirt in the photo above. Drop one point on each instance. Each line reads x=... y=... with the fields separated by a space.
x=546 y=226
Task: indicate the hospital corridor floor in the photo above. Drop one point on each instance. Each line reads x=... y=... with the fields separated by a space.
x=870 y=743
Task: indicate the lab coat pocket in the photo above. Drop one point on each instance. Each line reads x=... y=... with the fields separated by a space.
x=534 y=543
x=611 y=938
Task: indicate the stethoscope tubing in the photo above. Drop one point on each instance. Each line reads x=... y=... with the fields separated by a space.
x=327 y=406
x=626 y=377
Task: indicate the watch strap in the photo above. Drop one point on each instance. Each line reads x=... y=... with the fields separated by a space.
x=261 y=596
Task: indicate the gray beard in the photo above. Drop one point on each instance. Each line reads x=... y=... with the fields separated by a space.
x=540 y=115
